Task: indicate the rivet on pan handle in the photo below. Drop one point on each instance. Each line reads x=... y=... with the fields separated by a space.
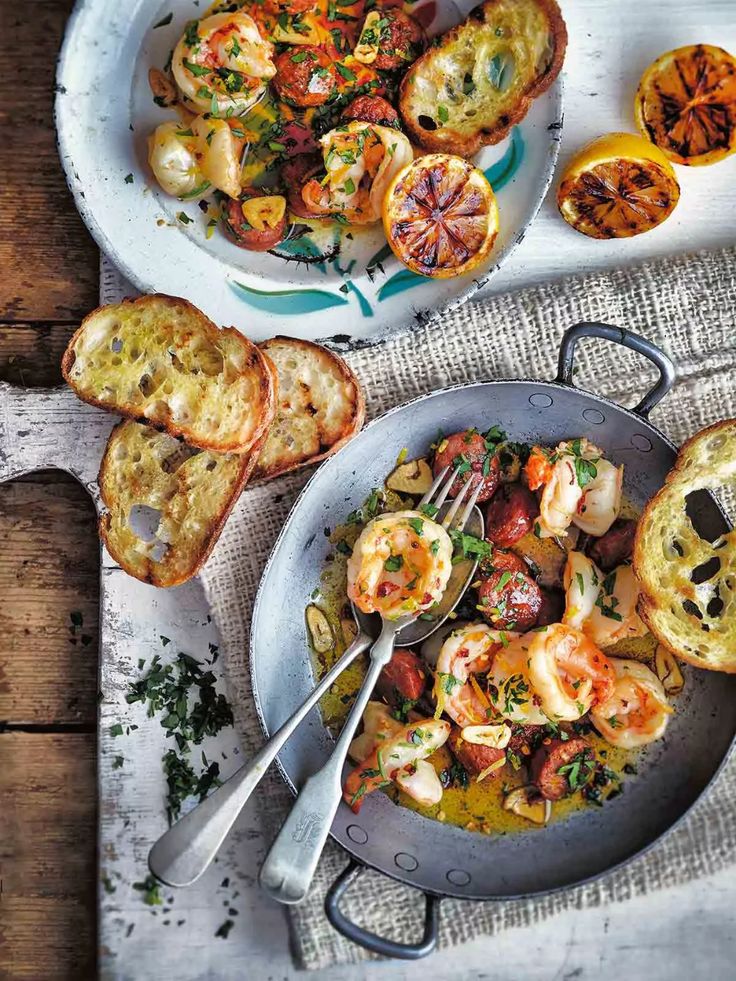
x=617 y=335
x=371 y=941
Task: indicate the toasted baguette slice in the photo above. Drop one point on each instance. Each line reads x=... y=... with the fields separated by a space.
x=166 y=502
x=320 y=406
x=159 y=360
x=695 y=621
x=480 y=80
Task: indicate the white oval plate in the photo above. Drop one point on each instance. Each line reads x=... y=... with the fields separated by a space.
x=104 y=114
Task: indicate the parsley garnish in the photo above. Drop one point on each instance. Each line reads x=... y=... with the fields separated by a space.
x=224 y=929
x=151 y=891
x=468 y=546
x=343 y=70
x=578 y=771
x=448 y=682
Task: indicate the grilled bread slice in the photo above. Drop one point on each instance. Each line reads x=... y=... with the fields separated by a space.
x=159 y=360
x=320 y=406
x=692 y=615
x=166 y=502
x=469 y=90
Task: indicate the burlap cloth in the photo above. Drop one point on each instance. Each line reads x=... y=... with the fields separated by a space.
x=686 y=305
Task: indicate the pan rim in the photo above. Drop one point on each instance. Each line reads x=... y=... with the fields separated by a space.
x=395 y=874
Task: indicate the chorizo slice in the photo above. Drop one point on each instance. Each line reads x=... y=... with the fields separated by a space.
x=510 y=600
x=573 y=757
x=474 y=758
x=475 y=460
x=615 y=547
x=403 y=679
x=510 y=514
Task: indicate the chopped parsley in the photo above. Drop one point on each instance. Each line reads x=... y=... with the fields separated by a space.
x=346 y=73
x=468 y=547
x=578 y=771
x=151 y=891
x=447 y=682
x=190 y=708
x=368 y=510
x=417 y=525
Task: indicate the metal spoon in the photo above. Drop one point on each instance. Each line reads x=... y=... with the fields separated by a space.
x=289 y=867
x=183 y=853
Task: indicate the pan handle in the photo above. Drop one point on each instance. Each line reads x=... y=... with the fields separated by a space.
x=371 y=941
x=617 y=335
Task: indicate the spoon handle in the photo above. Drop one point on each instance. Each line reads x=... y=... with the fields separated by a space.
x=287 y=872
x=182 y=854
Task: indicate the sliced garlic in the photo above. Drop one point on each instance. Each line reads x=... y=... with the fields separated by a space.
x=497 y=737
x=412 y=477
x=320 y=630
x=668 y=671
x=526 y=802
x=366 y=50
x=264 y=212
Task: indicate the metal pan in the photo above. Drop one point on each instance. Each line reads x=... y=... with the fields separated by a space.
x=439 y=859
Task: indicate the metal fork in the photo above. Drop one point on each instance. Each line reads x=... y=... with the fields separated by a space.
x=289 y=867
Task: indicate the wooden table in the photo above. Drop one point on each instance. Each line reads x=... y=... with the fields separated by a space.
x=48 y=678
x=50 y=559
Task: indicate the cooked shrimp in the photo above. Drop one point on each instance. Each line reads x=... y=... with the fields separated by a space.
x=419 y=779
x=172 y=154
x=413 y=742
x=582 y=583
x=467 y=651
x=580 y=488
x=637 y=711
x=378 y=724
x=567 y=672
x=538 y=468
x=614 y=615
x=509 y=685
x=601 y=500
x=222 y=64
x=401 y=563
x=219 y=152
x=361 y=160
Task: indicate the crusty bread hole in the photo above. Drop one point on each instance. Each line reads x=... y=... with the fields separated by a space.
x=144 y=521
x=685 y=560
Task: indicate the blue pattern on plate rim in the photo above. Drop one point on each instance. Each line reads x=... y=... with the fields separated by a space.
x=292 y=302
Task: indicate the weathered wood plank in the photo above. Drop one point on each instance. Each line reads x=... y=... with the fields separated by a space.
x=49 y=261
x=47 y=856
x=49 y=570
x=30 y=354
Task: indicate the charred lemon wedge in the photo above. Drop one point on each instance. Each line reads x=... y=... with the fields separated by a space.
x=617 y=186
x=686 y=104
x=440 y=216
